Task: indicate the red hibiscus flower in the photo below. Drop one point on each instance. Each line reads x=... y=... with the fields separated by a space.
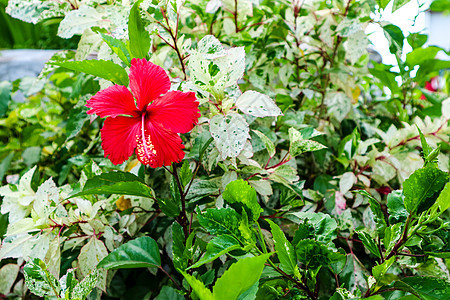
x=147 y=119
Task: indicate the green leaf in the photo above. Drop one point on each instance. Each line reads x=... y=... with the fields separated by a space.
x=379 y=270
x=343 y=294
x=244 y=228
x=375 y=207
x=239 y=277
x=209 y=277
x=383 y=3
x=39 y=280
x=3 y=228
x=398 y=3
x=431 y=158
x=425 y=147
x=180 y=262
x=200 y=144
x=296 y=187
x=422 y=188
x=395 y=37
x=353 y=275
x=170 y=207
x=77 y=118
x=369 y=243
x=118 y=47
x=185 y=173
x=68 y=283
x=314 y=254
x=4 y=165
x=430 y=68
x=391 y=235
x=122 y=183
x=285 y=251
x=376 y=297
x=31 y=155
x=216 y=247
x=142 y=252
x=250 y=294
x=417 y=40
x=438 y=254
x=396 y=207
x=299 y=145
x=198 y=287
x=201 y=188
x=305 y=231
x=168 y=293
x=386 y=77
x=443 y=201
x=428 y=288
x=440 y=6
x=267 y=142
x=175 y=194
x=324 y=225
x=219 y=221
x=101 y=68
x=420 y=55
x=284 y=173
x=139 y=37
x=5 y=96
x=348 y=146
x=240 y=195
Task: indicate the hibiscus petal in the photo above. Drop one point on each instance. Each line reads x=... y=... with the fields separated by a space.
x=176 y=111
x=111 y=102
x=119 y=138
x=162 y=147
x=147 y=81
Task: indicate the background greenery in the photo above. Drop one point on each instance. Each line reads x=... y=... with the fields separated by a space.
x=337 y=163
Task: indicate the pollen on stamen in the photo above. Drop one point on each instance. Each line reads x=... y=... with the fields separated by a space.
x=146 y=153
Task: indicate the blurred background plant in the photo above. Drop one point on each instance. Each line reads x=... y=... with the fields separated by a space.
x=17 y=34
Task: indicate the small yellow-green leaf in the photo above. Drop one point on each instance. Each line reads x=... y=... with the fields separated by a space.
x=443 y=201
x=199 y=288
x=239 y=277
x=240 y=195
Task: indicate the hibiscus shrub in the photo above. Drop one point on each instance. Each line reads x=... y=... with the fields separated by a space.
x=225 y=150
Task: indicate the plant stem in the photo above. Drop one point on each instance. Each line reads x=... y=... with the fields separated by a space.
x=412 y=255
x=175 y=40
x=299 y=284
x=168 y=275
x=282 y=162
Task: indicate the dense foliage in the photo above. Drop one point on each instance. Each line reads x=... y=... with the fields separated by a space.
x=314 y=172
